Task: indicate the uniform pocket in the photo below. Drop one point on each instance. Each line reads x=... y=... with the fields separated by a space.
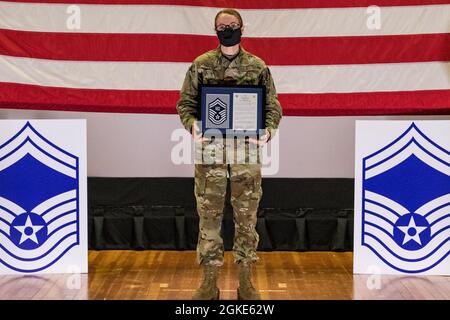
x=257 y=179
x=210 y=77
x=199 y=181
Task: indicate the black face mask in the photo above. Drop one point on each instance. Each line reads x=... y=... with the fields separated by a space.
x=229 y=37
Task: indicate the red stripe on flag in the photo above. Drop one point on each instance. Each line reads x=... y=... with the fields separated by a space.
x=367 y=103
x=20 y=96
x=254 y=4
x=184 y=48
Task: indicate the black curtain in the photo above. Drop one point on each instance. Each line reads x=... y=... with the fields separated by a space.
x=159 y=213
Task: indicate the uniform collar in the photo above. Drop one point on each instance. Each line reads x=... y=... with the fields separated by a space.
x=239 y=55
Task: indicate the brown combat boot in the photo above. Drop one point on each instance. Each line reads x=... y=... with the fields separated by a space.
x=208 y=289
x=246 y=291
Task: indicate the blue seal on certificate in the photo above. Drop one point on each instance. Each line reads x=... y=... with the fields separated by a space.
x=232 y=110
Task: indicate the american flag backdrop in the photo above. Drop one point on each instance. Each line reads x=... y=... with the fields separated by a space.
x=327 y=57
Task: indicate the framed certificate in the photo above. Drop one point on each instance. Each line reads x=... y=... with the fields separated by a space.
x=235 y=110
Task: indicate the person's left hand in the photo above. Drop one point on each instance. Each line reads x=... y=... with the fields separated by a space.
x=262 y=139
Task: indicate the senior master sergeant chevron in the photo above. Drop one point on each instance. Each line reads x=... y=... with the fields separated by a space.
x=229 y=63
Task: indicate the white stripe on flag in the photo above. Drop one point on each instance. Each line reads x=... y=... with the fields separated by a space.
x=198 y=20
x=288 y=79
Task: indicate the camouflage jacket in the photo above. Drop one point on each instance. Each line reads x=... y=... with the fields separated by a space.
x=213 y=67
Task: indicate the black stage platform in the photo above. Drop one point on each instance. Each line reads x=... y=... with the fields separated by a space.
x=159 y=213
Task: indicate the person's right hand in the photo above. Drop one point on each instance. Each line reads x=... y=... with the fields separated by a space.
x=196 y=133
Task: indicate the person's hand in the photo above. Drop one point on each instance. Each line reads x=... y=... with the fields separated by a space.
x=196 y=133
x=262 y=139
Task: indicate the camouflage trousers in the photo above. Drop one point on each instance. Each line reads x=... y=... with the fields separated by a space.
x=210 y=191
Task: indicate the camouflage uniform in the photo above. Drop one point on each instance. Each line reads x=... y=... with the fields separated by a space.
x=213 y=67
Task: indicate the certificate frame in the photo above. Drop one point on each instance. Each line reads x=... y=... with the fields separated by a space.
x=207 y=93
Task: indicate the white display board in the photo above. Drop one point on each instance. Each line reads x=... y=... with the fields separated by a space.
x=43 y=196
x=402 y=197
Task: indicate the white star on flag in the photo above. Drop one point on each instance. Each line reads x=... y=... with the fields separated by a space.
x=417 y=231
x=28 y=231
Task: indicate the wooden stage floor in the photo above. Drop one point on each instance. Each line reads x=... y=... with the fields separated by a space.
x=175 y=275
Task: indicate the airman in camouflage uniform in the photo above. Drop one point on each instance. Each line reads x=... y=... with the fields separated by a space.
x=213 y=67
